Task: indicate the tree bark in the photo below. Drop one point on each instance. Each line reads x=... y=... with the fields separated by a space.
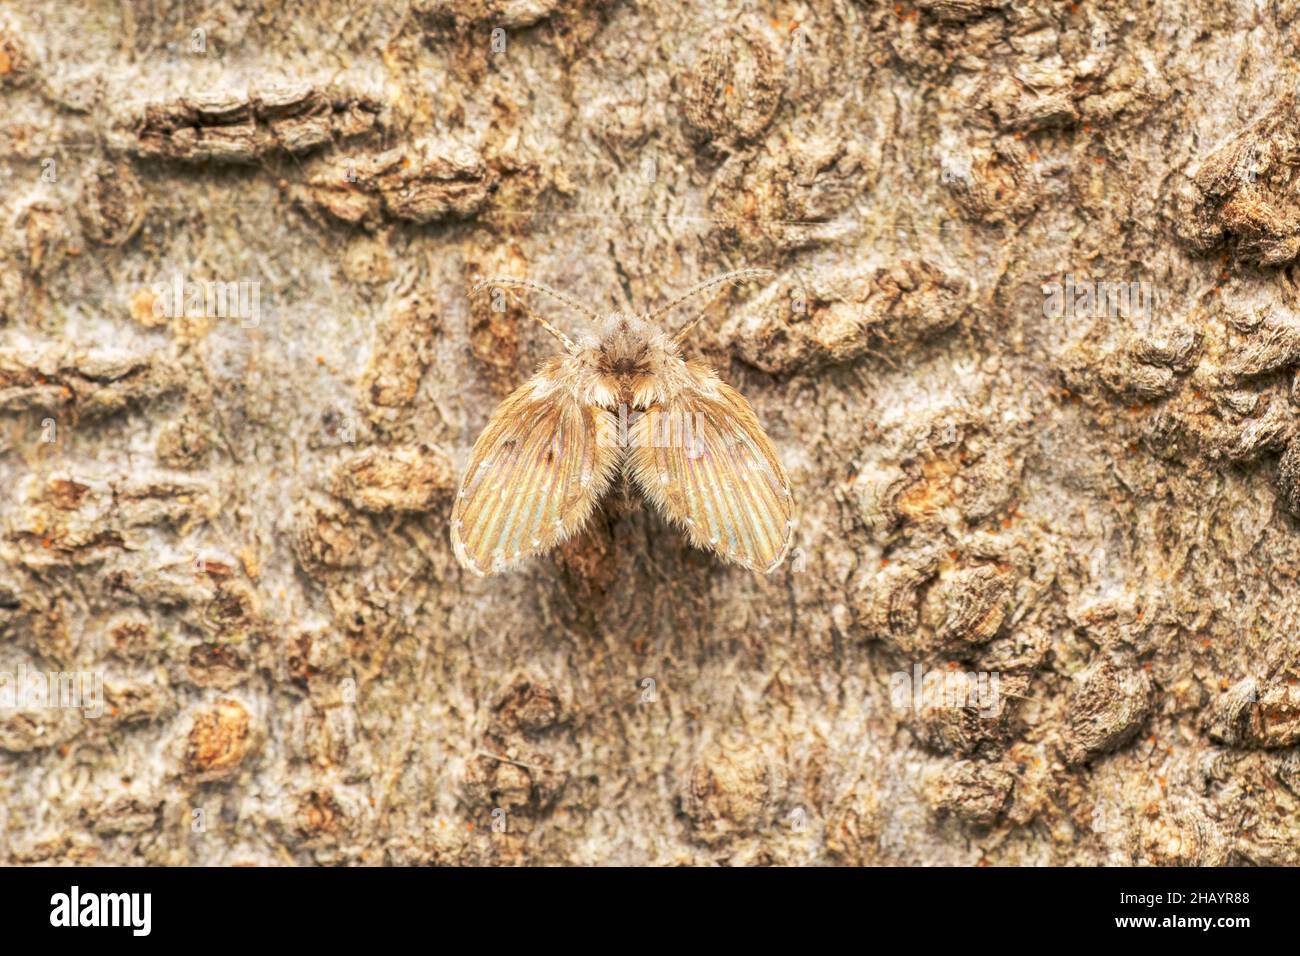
x=1028 y=354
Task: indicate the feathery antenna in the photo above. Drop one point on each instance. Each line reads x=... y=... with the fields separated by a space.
x=508 y=282
x=715 y=285
x=511 y=282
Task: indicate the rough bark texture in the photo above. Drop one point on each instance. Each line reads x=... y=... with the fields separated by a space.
x=238 y=519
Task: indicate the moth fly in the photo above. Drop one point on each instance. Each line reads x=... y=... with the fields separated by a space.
x=622 y=400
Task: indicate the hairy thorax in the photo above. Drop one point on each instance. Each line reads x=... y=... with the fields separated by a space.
x=630 y=362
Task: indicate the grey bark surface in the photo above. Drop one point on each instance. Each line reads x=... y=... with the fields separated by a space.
x=238 y=521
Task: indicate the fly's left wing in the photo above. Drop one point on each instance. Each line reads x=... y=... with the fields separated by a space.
x=706 y=463
x=534 y=477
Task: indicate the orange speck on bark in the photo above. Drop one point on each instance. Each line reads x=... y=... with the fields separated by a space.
x=6 y=63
